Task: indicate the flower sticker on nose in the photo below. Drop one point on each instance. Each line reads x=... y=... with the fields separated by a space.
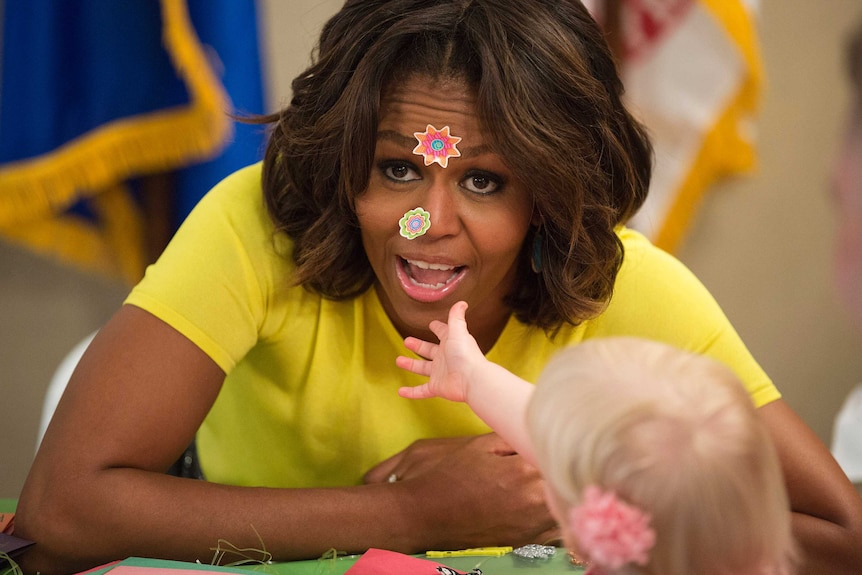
x=436 y=145
x=414 y=223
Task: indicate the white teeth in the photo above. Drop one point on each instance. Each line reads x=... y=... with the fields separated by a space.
x=435 y=286
x=429 y=266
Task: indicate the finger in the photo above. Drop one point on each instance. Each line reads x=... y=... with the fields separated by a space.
x=419 y=392
x=439 y=328
x=380 y=473
x=417 y=366
x=458 y=315
x=493 y=443
x=421 y=347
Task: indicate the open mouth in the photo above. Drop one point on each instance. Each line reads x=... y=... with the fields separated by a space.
x=429 y=275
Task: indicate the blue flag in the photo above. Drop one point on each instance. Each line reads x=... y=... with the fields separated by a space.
x=100 y=99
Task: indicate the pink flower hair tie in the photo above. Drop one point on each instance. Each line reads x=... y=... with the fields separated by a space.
x=610 y=531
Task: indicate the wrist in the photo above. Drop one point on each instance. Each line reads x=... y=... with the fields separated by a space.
x=481 y=381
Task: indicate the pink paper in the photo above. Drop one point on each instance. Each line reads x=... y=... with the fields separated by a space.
x=99 y=568
x=142 y=570
x=380 y=562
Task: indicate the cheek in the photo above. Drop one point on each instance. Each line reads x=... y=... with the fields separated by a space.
x=848 y=257
x=508 y=249
x=847 y=179
x=370 y=221
x=501 y=232
x=847 y=182
x=848 y=237
x=377 y=219
x=371 y=225
x=847 y=171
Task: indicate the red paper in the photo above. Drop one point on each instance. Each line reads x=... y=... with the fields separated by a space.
x=380 y=562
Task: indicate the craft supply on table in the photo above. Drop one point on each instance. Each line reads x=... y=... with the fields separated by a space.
x=475 y=552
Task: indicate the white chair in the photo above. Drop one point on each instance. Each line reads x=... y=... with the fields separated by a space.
x=58 y=384
x=186 y=466
x=847 y=436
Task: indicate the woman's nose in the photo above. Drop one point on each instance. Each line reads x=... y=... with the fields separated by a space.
x=442 y=203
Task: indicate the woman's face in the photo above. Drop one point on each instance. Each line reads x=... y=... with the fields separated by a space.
x=480 y=214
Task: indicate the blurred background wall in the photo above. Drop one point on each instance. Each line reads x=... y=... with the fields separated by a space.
x=761 y=243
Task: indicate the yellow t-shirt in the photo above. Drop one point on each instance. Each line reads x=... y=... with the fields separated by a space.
x=310 y=393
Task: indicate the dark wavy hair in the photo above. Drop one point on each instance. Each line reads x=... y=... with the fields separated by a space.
x=548 y=93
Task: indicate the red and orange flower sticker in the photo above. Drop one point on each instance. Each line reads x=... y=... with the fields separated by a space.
x=436 y=145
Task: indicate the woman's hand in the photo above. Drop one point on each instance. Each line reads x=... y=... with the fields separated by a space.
x=420 y=457
x=471 y=492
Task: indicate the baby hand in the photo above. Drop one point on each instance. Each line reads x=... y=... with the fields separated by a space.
x=448 y=364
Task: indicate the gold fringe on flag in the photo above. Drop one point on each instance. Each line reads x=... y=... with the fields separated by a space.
x=47 y=185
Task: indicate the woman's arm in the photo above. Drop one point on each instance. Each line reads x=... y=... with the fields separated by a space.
x=97 y=489
x=827 y=510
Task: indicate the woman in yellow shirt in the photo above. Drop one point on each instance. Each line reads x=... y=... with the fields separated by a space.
x=433 y=152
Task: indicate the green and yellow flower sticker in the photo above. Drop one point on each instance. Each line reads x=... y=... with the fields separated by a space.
x=414 y=223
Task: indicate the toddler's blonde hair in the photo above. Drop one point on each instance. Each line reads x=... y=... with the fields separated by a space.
x=675 y=434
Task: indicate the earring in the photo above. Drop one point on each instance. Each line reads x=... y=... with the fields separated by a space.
x=536 y=254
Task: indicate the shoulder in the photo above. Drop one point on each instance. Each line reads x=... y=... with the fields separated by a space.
x=225 y=278
x=656 y=296
x=649 y=272
x=238 y=196
x=232 y=219
x=642 y=257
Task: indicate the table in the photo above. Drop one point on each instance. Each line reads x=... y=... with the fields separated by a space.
x=505 y=565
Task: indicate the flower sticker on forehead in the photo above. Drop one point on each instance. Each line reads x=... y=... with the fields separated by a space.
x=436 y=145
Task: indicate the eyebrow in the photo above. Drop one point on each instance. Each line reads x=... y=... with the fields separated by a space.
x=411 y=141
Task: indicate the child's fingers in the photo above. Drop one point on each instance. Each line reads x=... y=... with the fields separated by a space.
x=421 y=347
x=458 y=312
x=417 y=366
x=418 y=392
x=439 y=328
x=458 y=317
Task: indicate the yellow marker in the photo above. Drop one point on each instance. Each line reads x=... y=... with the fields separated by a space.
x=477 y=552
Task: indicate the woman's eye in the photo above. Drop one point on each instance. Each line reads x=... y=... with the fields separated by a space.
x=399 y=171
x=482 y=183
